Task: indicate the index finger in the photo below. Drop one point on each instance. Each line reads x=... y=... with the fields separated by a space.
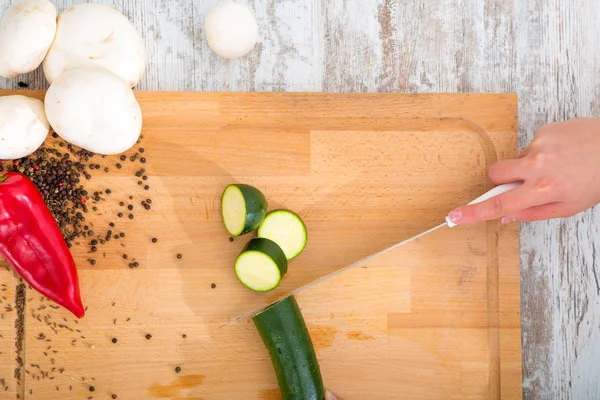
x=505 y=204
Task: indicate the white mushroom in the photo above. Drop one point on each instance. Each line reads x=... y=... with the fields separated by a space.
x=23 y=126
x=94 y=109
x=90 y=35
x=26 y=33
x=231 y=29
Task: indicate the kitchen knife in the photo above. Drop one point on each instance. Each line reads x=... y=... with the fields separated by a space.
x=488 y=195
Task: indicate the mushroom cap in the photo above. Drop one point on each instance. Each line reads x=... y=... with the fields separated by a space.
x=26 y=33
x=95 y=110
x=231 y=29
x=90 y=35
x=23 y=126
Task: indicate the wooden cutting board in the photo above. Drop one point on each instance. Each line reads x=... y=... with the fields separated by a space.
x=435 y=319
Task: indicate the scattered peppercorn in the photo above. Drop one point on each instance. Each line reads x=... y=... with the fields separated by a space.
x=130 y=216
x=179 y=256
x=111 y=224
x=125 y=256
x=114 y=340
x=231 y=239
x=120 y=215
x=142 y=150
x=213 y=286
x=123 y=158
x=143 y=160
x=130 y=207
x=119 y=166
x=108 y=191
x=146 y=187
x=114 y=396
x=93 y=262
x=154 y=240
x=148 y=336
x=92 y=389
x=94 y=249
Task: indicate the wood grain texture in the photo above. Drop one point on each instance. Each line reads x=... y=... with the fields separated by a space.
x=444 y=308
x=546 y=51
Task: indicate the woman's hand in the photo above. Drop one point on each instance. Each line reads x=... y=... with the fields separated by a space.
x=560 y=171
x=329 y=396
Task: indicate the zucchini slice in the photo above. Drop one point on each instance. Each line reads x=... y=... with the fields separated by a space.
x=261 y=265
x=243 y=208
x=286 y=229
x=284 y=334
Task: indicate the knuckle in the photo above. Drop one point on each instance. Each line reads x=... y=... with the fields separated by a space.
x=547 y=188
x=538 y=161
x=497 y=206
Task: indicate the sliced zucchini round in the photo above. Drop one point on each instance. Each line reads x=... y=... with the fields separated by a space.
x=286 y=229
x=261 y=265
x=243 y=208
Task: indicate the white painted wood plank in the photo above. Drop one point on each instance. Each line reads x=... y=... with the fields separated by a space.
x=558 y=76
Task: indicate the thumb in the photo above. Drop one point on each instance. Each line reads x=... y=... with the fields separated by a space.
x=330 y=396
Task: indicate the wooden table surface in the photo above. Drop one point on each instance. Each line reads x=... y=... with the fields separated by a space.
x=545 y=51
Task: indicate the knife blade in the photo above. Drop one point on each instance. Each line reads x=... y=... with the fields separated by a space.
x=488 y=195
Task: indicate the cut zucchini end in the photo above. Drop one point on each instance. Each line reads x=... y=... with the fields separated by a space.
x=233 y=210
x=243 y=208
x=257 y=271
x=287 y=229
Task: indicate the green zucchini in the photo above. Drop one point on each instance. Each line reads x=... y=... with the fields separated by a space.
x=261 y=265
x=243 y=208
x=284 y=334
x=285 y=228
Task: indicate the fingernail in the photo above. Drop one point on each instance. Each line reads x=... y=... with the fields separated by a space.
x=330 y=396
x=508 y=220
x=455 y=216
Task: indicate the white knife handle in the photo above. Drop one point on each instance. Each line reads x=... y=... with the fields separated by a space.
x=498 y=190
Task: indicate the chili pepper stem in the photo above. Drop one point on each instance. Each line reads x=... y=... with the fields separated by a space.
x=3 y=178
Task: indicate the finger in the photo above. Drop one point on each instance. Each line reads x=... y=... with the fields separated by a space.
x=541 y=213
x=329 y=396
x=505 y=204
x=507 y=171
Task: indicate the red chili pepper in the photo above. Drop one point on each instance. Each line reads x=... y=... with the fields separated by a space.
x=32 y=243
